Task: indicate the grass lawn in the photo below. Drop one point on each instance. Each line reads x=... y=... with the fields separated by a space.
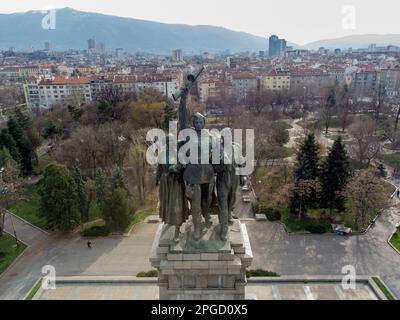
x=94 y=211
x=392 y=160
x=34 y=290
x=289 y=152
x=395 y=241
x=390 y=146
x=99 y=229
x=9 y=251
x=43 y=162
x=383 y=288
x=28 y=208
x=310 y=223
x=140 y=216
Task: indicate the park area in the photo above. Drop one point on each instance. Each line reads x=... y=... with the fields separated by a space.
x=9 y=251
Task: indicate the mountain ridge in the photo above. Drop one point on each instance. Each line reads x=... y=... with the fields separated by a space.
x=22 y=30
x=74 y=28
x=356 y=41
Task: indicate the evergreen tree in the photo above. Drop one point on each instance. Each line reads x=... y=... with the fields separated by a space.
x=26 y=124
x=307 y=167
x=118 y=179
x=51 y=129
x=118 y=210
x=169 y=115
x=306 y=174
x=382 y=171
x=76 y=113
x=23 y=119
x=335 y=175
x=83 y=202
x=104 y=111
x=24 y=146
x=100 y=186
x=8 y=142
x=59 y=198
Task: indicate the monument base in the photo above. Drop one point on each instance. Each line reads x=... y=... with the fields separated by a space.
x=208 y=269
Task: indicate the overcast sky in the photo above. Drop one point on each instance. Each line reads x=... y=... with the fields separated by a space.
x=299 y=21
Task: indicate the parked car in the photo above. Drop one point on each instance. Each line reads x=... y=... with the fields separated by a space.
x=246 y=199
x=340 y=229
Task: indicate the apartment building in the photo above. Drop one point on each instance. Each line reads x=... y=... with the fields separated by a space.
x=366 y=81
x=45 y=93
x=275 y=80
x=20 y=73
x=243 y=83
x=210 y=89
x=390 y=81
x=310 y=79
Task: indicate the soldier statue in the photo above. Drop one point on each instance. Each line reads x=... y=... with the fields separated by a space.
x=227 y=184
x=198 y=177
x=174 y=209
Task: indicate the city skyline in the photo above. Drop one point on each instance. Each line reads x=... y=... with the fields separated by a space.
x=261 y=18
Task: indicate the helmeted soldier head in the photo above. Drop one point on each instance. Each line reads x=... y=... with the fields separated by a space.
x=199 y=121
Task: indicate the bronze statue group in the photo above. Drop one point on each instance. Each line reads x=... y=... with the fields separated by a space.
x=190 y=188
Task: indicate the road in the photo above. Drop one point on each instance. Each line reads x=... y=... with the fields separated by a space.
x=25 y=232
x=286 y=254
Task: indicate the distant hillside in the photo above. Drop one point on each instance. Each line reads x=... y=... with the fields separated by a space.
x=74 y=28
x=356 y=41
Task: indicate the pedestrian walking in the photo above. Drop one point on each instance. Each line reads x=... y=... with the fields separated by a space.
x=89 y=245
x=398 y=193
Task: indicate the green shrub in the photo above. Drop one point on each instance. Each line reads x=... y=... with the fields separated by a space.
x=256 y=207
x=316 y=228
x=273 y=214
x=96 y=231
x=148 y=274
x=260 y=207
x=260 y=273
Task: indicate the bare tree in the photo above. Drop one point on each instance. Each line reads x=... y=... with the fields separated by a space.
x=367 y=197
x=92 y=148
x=136 y=162
x=345 y=104
x=378 y=102
x=259 y=100
x=366 y=145
x=9 y=188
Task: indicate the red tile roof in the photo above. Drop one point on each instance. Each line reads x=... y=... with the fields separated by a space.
x=65 y=80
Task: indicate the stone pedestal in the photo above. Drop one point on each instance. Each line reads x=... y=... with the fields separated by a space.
x=209 y=269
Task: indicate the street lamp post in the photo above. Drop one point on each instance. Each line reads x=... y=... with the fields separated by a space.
x=304 y=102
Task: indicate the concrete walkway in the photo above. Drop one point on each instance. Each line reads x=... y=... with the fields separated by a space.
x=27 y=233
